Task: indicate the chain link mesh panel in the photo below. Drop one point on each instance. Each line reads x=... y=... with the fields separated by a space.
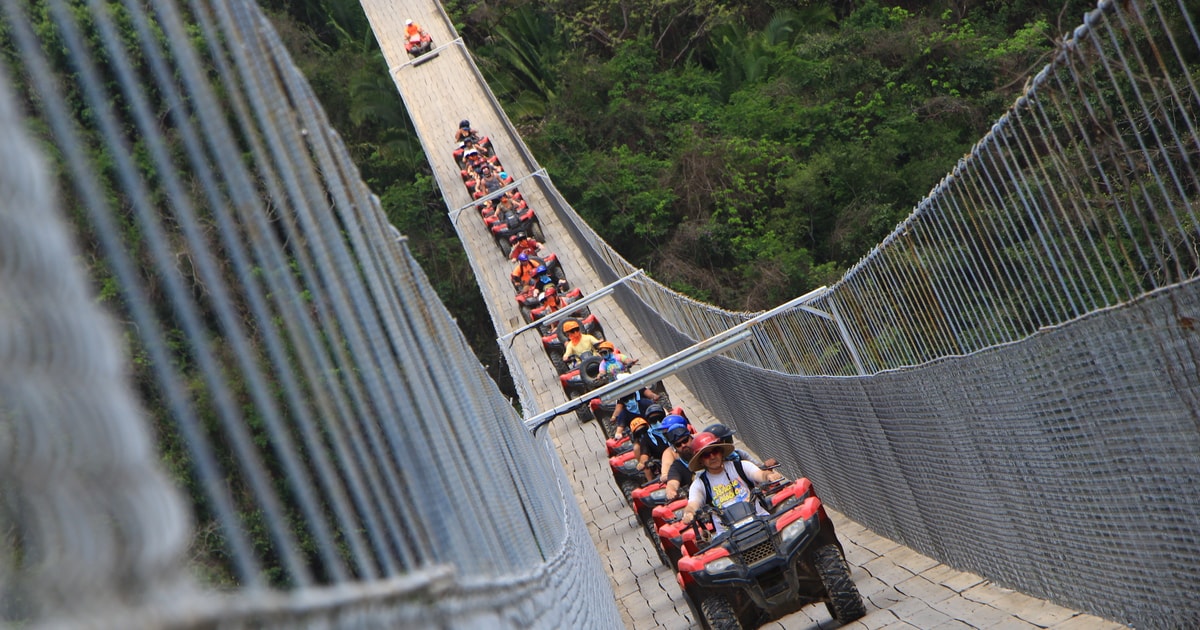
x=1007 y=382
x=347 y=460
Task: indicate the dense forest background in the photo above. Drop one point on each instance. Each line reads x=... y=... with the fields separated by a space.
x=743 y=152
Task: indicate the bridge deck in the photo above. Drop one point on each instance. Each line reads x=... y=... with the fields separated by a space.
x=903 y=589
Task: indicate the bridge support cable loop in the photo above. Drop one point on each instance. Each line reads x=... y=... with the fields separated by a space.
x=493 y=195
x=566 y=311
x=425 y=57
x=676 y=362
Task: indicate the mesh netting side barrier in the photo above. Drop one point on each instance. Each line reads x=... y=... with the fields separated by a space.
x=1008 y=382
x=329 y=451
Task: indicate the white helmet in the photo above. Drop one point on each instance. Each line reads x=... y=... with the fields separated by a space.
x=408 y=22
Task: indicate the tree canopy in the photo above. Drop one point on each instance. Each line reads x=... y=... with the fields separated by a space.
x=741 y=152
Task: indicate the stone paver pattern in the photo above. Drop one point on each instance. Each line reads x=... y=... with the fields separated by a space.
x=902 y=588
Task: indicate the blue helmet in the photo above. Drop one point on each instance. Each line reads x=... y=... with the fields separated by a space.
x=523 y=257
x=674 y=420
x=541 y=269
x=676 y=432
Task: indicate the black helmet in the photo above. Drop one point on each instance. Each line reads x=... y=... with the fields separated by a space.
x=465 y=124
x=676 y=433
x=723 y=433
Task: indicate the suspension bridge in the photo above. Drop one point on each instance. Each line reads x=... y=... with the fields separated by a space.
x=231 y=398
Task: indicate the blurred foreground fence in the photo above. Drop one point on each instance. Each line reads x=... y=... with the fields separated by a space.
x=284 y=427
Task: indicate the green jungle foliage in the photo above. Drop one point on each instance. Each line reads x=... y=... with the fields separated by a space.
x=742 y=152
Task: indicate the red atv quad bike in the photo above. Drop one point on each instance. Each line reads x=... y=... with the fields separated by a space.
x=503 y=179
x=530 y=247
x=513 y=225
x=624 y=467
x=652 y=494
x=564 y=299
x=531 y=299
x=676 y=539
x=480 y=145
x=571 y=377
x=474 y=164
x=418 y=44
x=547 y=264
x=618 y=445
x=490 y=212
x=603 y=410
x=763 y=567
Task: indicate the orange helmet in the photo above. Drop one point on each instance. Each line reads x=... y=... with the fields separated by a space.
x=606 y=345
x=570 y=326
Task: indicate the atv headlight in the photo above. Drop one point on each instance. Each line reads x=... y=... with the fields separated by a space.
x=718 y=565
x=659 y=495
x=793 y=531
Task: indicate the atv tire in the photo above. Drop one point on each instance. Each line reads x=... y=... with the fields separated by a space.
x=535 y=230
x=557 y=362
x=652 y=533
x=673 y=557
x=589 y=372
x=719 y=615
x=627 y=488
x=606 y=425
x=845 y=603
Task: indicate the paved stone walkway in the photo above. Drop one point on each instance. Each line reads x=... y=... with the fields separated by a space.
x=903 y=589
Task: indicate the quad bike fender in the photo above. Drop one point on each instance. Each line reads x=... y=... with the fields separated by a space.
x=800 y=489
x=678 y=536
x=621 y=461
x=616 y=446
x=569 y=378
x=684 y=580
x=808 y=510
x=642 y=494
x=692 y=564
x=644 y=502
x=590 y=324
x=664 y=513
x=672 y=532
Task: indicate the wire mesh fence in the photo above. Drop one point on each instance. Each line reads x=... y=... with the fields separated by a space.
x=1008 y=381
x=295 y=432
x=277 y=423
